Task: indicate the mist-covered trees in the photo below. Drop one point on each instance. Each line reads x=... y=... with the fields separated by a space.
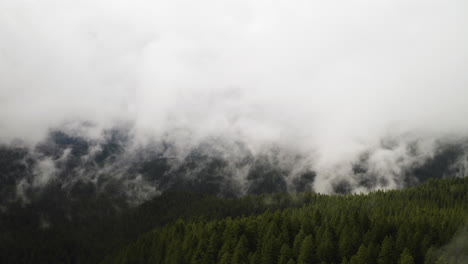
x=85 y=230
x=405 y=226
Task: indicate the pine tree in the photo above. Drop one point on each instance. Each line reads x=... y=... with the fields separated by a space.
x=349 y=242
x=297 y=243
x=326 y=250
x=254 y=258
x=285 y=254
x=374 y=251
x=344 y=260
x=431 y=256
x=213 y=247
x=269 y=252
x=240 y=255
x=200 y=255
x=225 y=258
x=387 y=251
x=406 y=257
x=307 y=226
x=345 y=245
x=270 y=244
x=306 y=254
x=361 y=257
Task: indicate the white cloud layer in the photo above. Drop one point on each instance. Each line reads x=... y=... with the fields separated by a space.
x=329 y=77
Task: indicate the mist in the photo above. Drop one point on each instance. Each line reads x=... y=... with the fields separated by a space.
x=330 y=80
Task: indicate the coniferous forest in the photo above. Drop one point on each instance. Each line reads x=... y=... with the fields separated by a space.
x=422 y=224
x=425 y=224
x=196 y=220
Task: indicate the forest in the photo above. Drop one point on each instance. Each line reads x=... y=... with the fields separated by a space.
x=422 y=224
x=425 y=224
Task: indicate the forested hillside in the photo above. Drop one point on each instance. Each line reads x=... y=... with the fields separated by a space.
x=424 y=224
x=427 y=221
x=74 y=199
x=84 y=230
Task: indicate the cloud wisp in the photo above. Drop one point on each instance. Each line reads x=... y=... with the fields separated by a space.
x=329 y=79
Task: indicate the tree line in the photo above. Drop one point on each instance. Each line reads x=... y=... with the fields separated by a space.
x=414 y=225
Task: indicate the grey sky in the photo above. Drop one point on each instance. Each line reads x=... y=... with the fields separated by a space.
x=331 y=77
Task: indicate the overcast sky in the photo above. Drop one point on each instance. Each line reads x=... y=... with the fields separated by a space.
x=329 y=76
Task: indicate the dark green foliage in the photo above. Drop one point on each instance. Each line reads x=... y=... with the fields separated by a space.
x=387 y=251
x=306 y=254
x=241 y=252
x=404 y=226
x=225 y=258
x=326 y=249
x=70 y=220
x=285 y=254
x=362 y=256
x=86 y=229
x=406 y=257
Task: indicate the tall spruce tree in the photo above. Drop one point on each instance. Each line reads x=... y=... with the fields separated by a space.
x=406 y=257
x=241 y=252
x=285 y=254
x=306 y=254
x=387 y=251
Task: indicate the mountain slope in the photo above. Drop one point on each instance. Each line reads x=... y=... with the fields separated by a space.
x=382 y=227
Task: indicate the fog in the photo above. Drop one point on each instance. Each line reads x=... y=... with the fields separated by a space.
x=329 y=79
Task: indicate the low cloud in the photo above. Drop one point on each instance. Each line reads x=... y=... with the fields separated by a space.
x=328 y=79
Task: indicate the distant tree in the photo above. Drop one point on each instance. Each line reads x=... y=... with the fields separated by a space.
x=374 y=250
x=344 y=260
x=213 y=247
x=298 y=243
x=387 y=251
x=254 y=258
x=225 y=258
x=268 y=254
x=285 y=254
x=406 y=257
x=326 y=249
x=240 y=255
x=306 y=254
x=348 y=243
x=431 y=256
x=270 y=247
x=361 y=257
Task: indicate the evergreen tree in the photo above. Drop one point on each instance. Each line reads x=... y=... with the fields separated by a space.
x=254 y=258
x=298 y=243
x=213 y=247
x=285 y=254
x=361 y=257
x=200 y=256
x=431 y=256
x=270 y=245
x=387 y=251
x=349 y=241
x=267 y=252
x=326 y=250
x=374 y=251
x=406 y=257
x=225 y=258
x=344 y=260
x=240 y=255
x=306 y=254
